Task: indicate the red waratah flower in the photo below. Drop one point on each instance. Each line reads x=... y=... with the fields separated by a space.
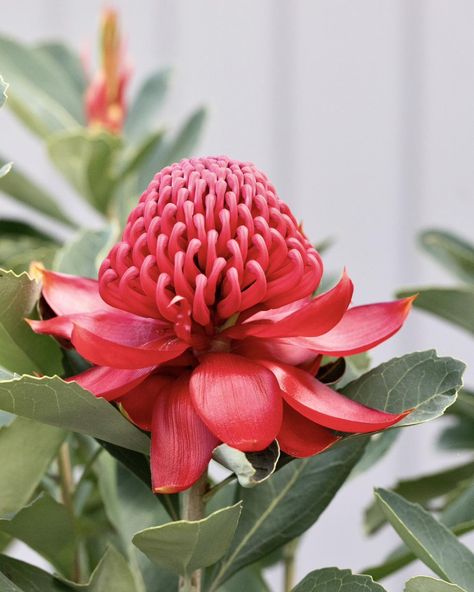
x=204 y=329
x=105 y=95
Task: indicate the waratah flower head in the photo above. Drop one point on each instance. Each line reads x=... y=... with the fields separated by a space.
x=203 y=326
x=210 y=238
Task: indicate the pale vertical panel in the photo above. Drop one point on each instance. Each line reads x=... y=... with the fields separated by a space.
x=446 y=189
x=225 y=61
x=345 y=183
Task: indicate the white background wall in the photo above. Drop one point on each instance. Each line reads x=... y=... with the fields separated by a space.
x=362 y=113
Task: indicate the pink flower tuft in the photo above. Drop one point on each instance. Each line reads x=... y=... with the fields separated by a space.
x=209 y=238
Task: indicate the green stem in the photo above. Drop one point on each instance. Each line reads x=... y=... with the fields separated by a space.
x=289 y=562
x=66 y=481
x=210 y=492
x=87 y=469
x=193 y=509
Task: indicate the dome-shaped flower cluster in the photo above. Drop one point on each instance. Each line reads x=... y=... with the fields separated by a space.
x=209 y=239
x=204 y=329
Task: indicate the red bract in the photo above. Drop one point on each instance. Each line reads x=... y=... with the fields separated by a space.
x=204 y=329
x=105 y=95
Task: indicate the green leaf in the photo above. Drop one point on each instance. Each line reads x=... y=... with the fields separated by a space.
x=421 y=381
x=67 y=405
x=83 y=254
x=464 y=406
x=45 y=526
x=251 y=468
x=112 y=574
x=26 y=449
x=333 y=579
x=17 y=185
x=137 y=156
x=376 y=449
x=5 y=169
x=70 y=65
x=40 y=95
x=17 y=253
x=272 y=513
x=455 y=305
x=421 y=490
x=20 y=244
x=459 y=513
x=30 y=578
x=459 y=436
x=21 y=350
x=87 y=159
x=249 y=579
x=3 y=97
x=3 y=92
x=429 y=584
x=186 y=546
x=173 y=150
x=456 y=254
x=10 y=227
x=431 y=541
x=142 y=114
x=7 y=585
x=458 y=516
x=130 y=505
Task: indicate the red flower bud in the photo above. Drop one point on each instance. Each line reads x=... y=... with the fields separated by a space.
x=105 y=95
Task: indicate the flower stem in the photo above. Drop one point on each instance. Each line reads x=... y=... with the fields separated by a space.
x=66 y=480
x=193 y=509
x=213 y=490
x=289 y=562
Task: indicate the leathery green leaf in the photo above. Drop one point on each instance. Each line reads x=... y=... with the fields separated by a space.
x=21 y=350
x=25 y=190
x=30 y=578
x=250 y=468
x=186 y=546
x=45 y=526
x=455 y=305
x=456 y=254
x=26 y=449
x=65 y=404
x=421 y=490
x=429 y=584
x=271 y=514
x=87 y=159
x=40 y=95
x=432 y=542
x=333 y=579
x=421 y=381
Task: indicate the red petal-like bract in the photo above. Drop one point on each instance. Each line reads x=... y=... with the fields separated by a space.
x=300 y=437
x=139 y=402
x=321 y=404
x=122 y=340
x=256 y=348
x=360 y=329
x=316 y=317
x=110 y=383
x=181 y=445
x=238 y=400
x=60 y=327
x=69 y=294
